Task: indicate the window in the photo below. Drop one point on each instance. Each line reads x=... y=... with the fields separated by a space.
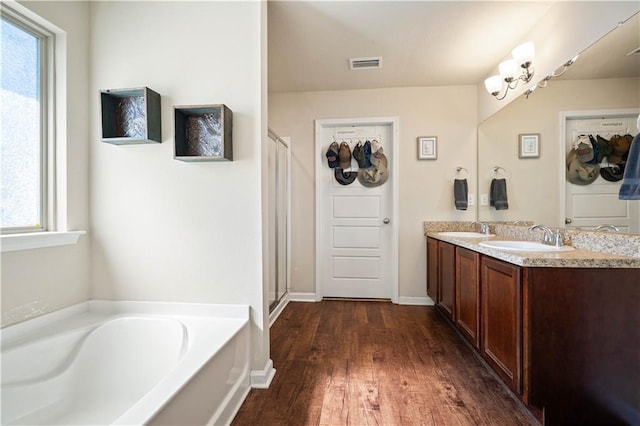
x=24 y=70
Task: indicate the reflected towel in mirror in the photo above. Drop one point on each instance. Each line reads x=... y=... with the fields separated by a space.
x=498 y=194
x=630 y=188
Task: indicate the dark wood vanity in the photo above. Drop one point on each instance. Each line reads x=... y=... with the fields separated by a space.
x=565 y=340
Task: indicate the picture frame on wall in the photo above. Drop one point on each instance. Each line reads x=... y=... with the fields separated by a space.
x=427 y=148
x=529 y=145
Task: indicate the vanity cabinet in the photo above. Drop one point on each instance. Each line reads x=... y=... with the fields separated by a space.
x=432 y=269
x=467 y=292
x=446 y=279
x=441 y=276
x=501 y=312
x=482 y=297
x=583 y=340
x=564 y=339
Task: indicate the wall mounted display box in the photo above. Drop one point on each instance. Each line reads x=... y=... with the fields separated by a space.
x=130 y=116
x=203 y=133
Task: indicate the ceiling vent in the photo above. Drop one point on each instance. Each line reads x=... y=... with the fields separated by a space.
x=365 y=63
x=634 y=52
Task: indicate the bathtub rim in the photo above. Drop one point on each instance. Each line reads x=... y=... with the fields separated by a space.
x=153 y=402
x=24 y=329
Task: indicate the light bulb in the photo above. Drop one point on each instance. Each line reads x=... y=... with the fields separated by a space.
x=493 y=84
x=524 y=53
x=508 y=69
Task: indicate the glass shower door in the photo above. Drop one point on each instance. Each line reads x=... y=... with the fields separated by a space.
x=278 y=164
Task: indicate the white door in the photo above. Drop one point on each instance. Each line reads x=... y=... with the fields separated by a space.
x=587 y=206
x=355 y=223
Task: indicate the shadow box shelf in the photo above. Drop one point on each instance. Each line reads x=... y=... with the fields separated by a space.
x=203 y=133
x=130 y=116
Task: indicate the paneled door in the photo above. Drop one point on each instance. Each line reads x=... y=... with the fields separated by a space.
x=587 y=206
x=355 y=223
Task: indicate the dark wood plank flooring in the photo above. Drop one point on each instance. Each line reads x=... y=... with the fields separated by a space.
x=375 y=363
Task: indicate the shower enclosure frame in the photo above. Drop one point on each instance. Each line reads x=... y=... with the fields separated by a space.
x=281 y=223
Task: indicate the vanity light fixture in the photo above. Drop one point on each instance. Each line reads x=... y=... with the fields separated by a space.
x=522 y=58
x=556 y=73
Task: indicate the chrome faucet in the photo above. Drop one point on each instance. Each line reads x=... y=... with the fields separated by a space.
x=607 y=228
x=550 y=237
x=484 y=228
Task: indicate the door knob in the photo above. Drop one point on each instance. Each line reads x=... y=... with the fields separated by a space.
x=567 y=220
x=385 y=220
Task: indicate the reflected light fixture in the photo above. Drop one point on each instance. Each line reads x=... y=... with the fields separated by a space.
x=556 y=73
x=510 y=73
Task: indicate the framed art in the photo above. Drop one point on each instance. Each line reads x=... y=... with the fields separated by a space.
x=529 y=146
x=427 y=148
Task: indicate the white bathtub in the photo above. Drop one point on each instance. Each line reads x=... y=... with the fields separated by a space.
x=130 y=363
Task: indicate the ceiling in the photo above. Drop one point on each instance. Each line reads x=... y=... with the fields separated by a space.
x=422 y=43
x=607 y=58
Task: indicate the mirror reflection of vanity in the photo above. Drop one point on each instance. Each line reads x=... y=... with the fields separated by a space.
x=592 y=88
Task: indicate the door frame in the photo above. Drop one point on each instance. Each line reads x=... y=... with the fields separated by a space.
x=562 y=165
x=322 y=191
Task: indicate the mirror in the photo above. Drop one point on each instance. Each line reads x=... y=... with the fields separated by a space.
x=603 y=78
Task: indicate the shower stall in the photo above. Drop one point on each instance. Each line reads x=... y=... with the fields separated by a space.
x=278 y=218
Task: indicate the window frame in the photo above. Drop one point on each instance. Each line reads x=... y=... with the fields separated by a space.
x=46 y=58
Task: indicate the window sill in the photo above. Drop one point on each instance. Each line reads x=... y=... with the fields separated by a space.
x=15 y=242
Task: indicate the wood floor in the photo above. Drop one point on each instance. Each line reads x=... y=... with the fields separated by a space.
x=375 y=363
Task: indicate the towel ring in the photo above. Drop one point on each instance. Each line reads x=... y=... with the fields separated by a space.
x=460 y=169
x=497 y=169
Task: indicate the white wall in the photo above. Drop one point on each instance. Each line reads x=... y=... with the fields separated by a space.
x=426 y=187
x=167 y=230
x=44 y=280
x=574 y=26
x=532 y=184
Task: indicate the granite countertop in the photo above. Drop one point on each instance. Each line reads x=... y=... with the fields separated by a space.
x=577 y=258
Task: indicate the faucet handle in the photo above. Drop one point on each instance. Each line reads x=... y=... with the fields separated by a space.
x=558 y=240
x=484 y=227
x=550 y=236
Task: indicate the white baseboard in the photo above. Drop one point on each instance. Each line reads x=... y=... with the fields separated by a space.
x=302 y=297
x=402 y=300
x=261 y=379
x=273 y=316
x=423 y=300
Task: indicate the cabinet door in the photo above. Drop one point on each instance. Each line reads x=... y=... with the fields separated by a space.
x=502 y=320
x=446 y=278
x=467 y=310
x=432 y=269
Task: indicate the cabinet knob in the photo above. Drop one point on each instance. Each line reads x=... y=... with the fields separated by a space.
x=385 y=220
x=567 y=220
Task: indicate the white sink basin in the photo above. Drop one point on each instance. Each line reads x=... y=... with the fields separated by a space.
x=523 y=246
x=465 y=234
